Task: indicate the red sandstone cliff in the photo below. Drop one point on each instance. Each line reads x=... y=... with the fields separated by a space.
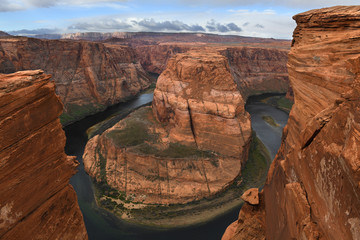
x=88 y=76
x=154 y=58
x=258 y=70
x=313 y=185
x=197 y=97
x=36 y=199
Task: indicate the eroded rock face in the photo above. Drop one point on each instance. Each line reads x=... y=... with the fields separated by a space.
x=313 y=185
x=251 y=221
x=251 y=196
x=154 y=58
x=89 y=76
x=36 y=199
x=197 y=97
x=196 y=108
x=258 y=70
x=151 y=178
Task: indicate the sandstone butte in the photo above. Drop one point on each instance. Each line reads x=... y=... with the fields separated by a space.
x=313 y=185
x=197 y=103
x=89 y=76
x=36 y=199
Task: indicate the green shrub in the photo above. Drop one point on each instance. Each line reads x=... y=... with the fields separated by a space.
x=133 y=134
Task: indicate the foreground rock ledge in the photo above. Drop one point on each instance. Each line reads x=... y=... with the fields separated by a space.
x=36 y=199
x=313 y=185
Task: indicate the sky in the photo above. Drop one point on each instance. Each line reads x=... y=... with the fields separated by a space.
x=256 y=18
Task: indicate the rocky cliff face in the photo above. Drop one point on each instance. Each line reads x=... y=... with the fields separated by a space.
x=251 y=221
x=258 y=70
x=313 y=185
x=157 y=171
x=89 y=76
x=154 y=58
x=36 y=200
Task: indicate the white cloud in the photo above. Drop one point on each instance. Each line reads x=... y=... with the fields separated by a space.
x=303 y=4
x=18 y=5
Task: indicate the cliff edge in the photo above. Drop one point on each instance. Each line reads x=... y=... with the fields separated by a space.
x=36 y=199
x=89 y=76
x=313 y=185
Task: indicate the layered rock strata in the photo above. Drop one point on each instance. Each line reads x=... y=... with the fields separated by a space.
x=313 y=185
x=197 y=108
x=197 y=98
x=312 y=190
x=36 y=199
x=89 y=76
x=258 y=70
x=154 y=58
x=251 y=221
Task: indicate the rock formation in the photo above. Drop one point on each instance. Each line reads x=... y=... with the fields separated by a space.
x=197 y=97
x=251 y=221
x=88 y=76
x=313 y=185
x=196 y=108
x=36 y=199
x=150 y=172
x=154 y=58
x=258 y=70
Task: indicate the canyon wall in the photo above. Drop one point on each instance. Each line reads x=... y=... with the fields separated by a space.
x=36 y=199
x=258 y=70
x=154 y=58
x=313 y=185
x=88 y=76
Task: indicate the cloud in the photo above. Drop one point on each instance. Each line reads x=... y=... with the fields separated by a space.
x=213 y=26
x=18 y=5
x=259 y=26
x=40 y=31
x=303 y=4
x=101 y=25
x=152 y=25
x=136 y=25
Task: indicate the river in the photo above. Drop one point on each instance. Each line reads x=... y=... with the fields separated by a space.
x=103 y=225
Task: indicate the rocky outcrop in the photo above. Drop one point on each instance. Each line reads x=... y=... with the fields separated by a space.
x=150 y=172
x=154 y=58
x=258 y=70
x=313 y=185
x=198 y=115
x=197 y=98
x=36 y=199
x=251 y=221
x=88 y=76
x=251 y=196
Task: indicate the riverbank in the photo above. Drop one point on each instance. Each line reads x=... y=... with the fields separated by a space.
x=280 y=102
x=102 y=224
x=197 y=212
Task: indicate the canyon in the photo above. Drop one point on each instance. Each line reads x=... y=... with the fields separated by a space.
x=93 y=71
x=89 y=76
x=189 y=114
x=312 y=188
x=199 y=100
x=194 y=140
x=37 y=200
